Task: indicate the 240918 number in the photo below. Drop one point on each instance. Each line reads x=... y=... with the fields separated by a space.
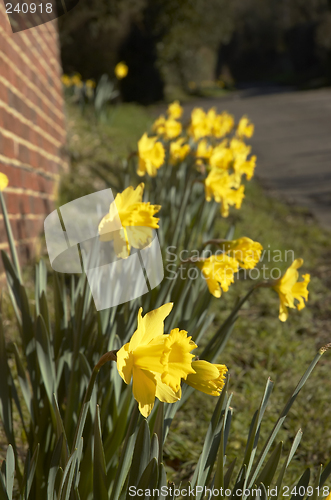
x=31 y=7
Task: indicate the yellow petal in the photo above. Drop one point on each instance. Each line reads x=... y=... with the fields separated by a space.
x=144 y=388
x=208 y=377
x=176 y=358
x=150 y=326
x=125 y=363
x=3 y=181
x=164 y=393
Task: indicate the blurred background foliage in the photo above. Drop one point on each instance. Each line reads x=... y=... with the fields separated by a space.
x=187 y=43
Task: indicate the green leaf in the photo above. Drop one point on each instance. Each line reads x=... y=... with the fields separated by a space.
x=303 y=482
x=45 y=358
x=316 y=485
x=5 y=391
x=149 y=478
x=141 y=454
x=10 y=237
x=99 y=465
x=240 y=483
x=10 y=471
x=154 y=448
x=126 y=455
x=60 y=431
x=24 y=384
x=158 y=428
x=13 y=283
x=212 y=440
x=269 y=470
x=3 y=491
x=29 y=471
x=228 y=474
x=293 y=449
x=54 y=468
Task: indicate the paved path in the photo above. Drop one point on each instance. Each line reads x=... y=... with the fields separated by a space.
x=292 y=142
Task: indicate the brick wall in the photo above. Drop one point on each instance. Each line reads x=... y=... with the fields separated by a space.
x=32 y=129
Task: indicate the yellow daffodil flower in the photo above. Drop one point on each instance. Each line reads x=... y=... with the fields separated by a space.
x=90 y=84
x=223 y=124
x=121 y=70
x=137 y=219
x=239 y=149
x=158 y=125
x=246 y=251
x=221 y=157
x=151 y=155
x=3 y=181
x=290 y=289
x=204 y=151
x=76 y=80
x=200 y=126
x=175 y=110
x=219 y=184
x=208 y=378
x=155 y=362
x=244 y=168
x=172 y=128
x=178 y=151
x=218 y=271
x=66 y=80
x=245 y=128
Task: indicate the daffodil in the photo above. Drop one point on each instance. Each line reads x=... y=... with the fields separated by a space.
x=175 y=110
x=66 y=80
x=244 y=168
x=137 y=220
x=221 y=157
x=154 y=361
x=151 y=155
x=76 y=80
x=178 y=151
x=246 y=251
x=172 y=128
x=90 y=84
x=240 y=149
x=223 y=124
x=3 y=181
x=245 y=128
x=208 y=377
x=290 y=289
x=158 y=125
x=220 y=186
x=121 y=70
x=218 y=271
x=204 y=151
x=200 y=126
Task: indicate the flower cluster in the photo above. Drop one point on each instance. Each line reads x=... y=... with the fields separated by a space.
x=76 y=81
x=222 y=164
x=219 y=270
x=157 y=363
